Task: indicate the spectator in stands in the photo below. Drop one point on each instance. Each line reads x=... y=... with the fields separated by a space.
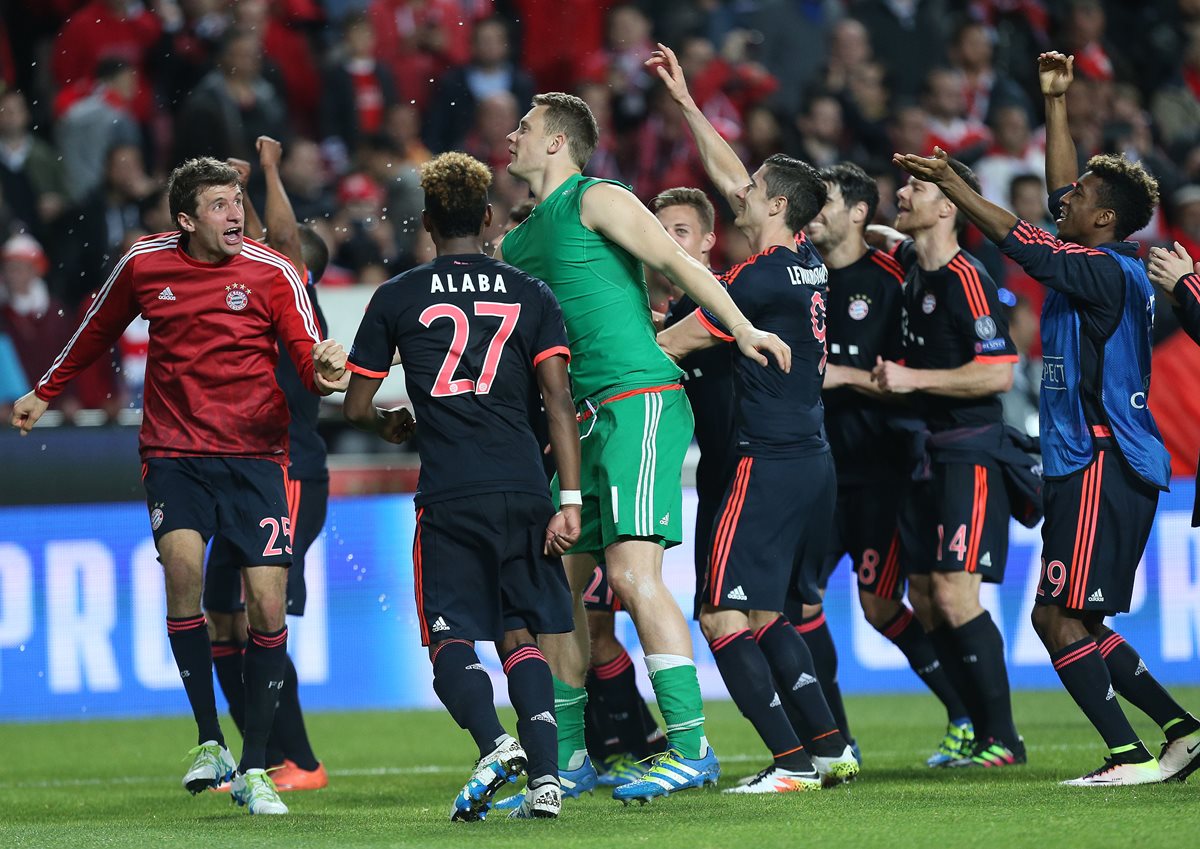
x=726 y=86
x=987 y=89
x=1014 y=151
x=307 y=181
x=908 y=37
x=121 y=29
x=366 y=242
x=1026 y=197
x=622 y=64
x=95 y=124
x=358 y=92
x=849 y=49
x=1176 y=107
x=419 y=40
x=762 y=135
x=491 y=71
x=950 y=126
x=1084 y=30
x=281 y=28
x=1185 y=219
x=866 y=104
x=403 y=126
x=606 y=159
x=31 y=176
x=232 y=106
x=495 y=116
x=821 y=139
x=404 y=200
x=96 y=227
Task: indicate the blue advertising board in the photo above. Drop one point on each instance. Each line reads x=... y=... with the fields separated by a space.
x=82 y=610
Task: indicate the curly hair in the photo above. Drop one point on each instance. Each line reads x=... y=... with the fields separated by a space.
x=456 y=193
x=1127 y=189
x=191 y=178
x=685 y=196
x=569 y=115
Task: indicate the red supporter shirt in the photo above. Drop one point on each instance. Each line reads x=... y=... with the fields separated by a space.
x=210 y=375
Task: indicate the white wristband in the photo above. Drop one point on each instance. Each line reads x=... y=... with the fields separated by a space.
x=569 y=496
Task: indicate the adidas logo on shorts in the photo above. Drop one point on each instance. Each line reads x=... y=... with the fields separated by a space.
x=736 y=594
x=166 y=294
x=803 y=681
x=986 y=560
x=665 y=520
x=775 y=701
x=439 y=625
x=1111 y=694
x=1096 y=596
x=544 y=716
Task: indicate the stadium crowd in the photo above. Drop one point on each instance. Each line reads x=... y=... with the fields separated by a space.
x=99 y=100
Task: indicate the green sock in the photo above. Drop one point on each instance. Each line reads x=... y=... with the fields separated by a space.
x=569 y=704
x=677 y=690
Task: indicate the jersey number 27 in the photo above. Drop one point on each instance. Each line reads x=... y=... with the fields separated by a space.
x=446 y=384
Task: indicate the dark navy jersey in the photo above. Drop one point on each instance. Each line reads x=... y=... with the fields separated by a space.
x=781 y=291
x=1095 y=285
x=306 y=448
x=708 y=381
x=863 y=322
x=953 y=316
x=470 y=331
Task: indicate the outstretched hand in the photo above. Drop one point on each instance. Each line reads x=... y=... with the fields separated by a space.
x=931 y=169
x=755 y=344
x=664 y=63
x=1055 y=73
x=1166 y=266
x=242 y=167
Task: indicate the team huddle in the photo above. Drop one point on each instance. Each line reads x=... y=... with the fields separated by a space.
x=843 y=384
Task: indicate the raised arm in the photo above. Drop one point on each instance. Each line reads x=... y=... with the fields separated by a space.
x=1055 y=73
x=283 y=232
x=995 y=221
x=723 y=166
x=616 y=214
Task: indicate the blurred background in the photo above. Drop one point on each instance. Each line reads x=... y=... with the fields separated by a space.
x=99 y=100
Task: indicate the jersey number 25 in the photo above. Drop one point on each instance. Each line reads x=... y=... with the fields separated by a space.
x=446 y=384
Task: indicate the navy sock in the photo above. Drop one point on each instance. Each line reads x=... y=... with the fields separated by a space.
x=906 y=634
x=815 y=633
x=289 y=735
x=1133 y=680
x=1086 y=678
x=982 y=651
x=227 y=662
x=949 y=656
x=748 y=678
x=598 y=732
x=531 y=690
x=616 y=685
x=193 y=656
x=263 y=669
x=465 y=688
x=792 y=665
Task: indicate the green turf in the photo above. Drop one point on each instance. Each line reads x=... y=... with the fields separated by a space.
x=394 y=775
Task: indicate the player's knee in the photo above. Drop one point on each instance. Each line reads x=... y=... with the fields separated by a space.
x=515 y=639
x=267 y=614
x=953 y=600
x=878 y=611
x=1046 y=620
x=227 y=627
x=810 y=611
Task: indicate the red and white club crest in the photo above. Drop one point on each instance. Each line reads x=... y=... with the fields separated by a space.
x=928 y=303
x=859 y=307
x=237 y=296
x=156 y=518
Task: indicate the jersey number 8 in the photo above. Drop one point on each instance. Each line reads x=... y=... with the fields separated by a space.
x=446 y=384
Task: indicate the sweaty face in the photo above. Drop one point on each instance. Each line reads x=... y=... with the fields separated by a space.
x=527 y=144
x=831 y=226
x=752 y=204
x=919 y=206
x=216 y=228
x=682 y=223
x=1079 y=209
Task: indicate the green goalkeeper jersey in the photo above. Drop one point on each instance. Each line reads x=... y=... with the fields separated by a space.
x=602 y=292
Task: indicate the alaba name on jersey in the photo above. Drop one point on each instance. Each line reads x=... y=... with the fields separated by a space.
x=213 y=328
x=470 y=331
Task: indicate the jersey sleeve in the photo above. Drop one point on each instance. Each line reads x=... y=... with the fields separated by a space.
x=296 y=322
x=550 y=339
x=978 y=313
x=103 y=324
x=1085 y=274
x=743 y=295
x=1187 y=294
x=371 y=354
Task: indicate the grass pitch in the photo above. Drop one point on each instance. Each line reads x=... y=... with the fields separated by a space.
x=393 y=776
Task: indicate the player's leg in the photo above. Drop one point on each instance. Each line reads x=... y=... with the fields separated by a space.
x=1095 y=526
x=614 y=682
x=531 y=691
x=225 y=607
x=301 y=769
x=182 y=518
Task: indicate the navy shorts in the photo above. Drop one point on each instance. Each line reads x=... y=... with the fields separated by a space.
x=479 y=569
x=1097 y=524
x=223 y=592
x=957 y=522
x=242 y=500
x=865 y=527
x=772 y=533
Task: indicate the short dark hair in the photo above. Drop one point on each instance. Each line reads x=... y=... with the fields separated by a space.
x=313 y=251
x=856 y=186
x=456 y=193
x=1127 y=189
x=569 y=115
x=968 y=177
x=800 y=184
x=686 y=196
x=191 y=178
x=1023 y=180
x=521 y=211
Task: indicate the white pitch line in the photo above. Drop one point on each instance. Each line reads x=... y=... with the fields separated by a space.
x=426 y=769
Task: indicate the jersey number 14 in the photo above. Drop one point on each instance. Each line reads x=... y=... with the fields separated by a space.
x=446 y=384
